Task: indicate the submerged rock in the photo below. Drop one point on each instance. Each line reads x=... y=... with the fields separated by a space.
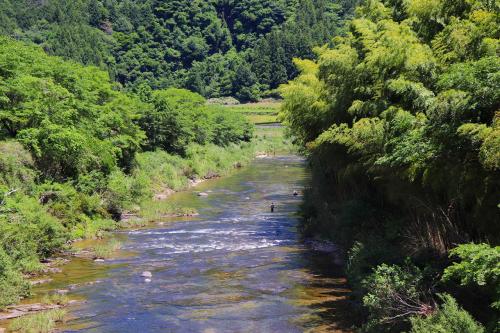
x=78 y=285
x=25 y=309
x=147 y=274
x=38 y=282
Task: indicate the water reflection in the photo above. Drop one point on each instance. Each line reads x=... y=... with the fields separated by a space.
x=236 y=268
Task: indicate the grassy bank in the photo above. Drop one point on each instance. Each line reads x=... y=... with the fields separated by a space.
x=159 y=174
x=64 y=217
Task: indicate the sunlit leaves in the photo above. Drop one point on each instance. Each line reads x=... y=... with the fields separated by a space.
x=68 y=115
x=478 y=264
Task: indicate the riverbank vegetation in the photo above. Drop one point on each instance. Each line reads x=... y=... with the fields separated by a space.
x=216 y=48
x=400 y=118
x=43 y=322
x=76 y=151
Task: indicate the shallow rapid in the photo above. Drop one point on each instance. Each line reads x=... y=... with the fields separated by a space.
x=236 y=267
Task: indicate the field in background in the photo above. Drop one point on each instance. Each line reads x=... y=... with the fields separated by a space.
x=265 y=112
x=269 y=136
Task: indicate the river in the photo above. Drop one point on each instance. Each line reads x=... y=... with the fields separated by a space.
x=236 y=267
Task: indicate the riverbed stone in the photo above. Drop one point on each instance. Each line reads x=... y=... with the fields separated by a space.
x=38 y=282
x=20 y=310
x=203 y=194
x=147 y=274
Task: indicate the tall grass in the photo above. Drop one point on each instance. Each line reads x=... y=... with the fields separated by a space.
x=59 y=299
x=107 y=249
x=42 y=322
x=153 y=210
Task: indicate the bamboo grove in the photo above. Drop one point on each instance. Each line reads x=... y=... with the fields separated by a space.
x=401 y=119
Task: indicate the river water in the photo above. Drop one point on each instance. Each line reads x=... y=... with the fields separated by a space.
x=236 y=267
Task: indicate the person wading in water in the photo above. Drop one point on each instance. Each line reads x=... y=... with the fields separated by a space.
x=272 y=207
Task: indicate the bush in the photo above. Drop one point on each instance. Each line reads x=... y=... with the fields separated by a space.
x=448 y=318
x=12 y=285
x=16 y=167
x=479 y=265
x=163 y=170
x=28 y=232
x=229 y=127
x=125 y=191
x=63 y=201
x=393 y=294
x=92 y=228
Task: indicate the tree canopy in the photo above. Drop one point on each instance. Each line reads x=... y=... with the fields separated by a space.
x=164 y=44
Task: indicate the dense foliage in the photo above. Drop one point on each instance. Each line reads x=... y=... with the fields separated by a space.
x=70 y=153
x=401 y=120
x=217 y=47
x=449 y=318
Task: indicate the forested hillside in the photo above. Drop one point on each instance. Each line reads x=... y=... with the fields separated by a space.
x=216 y=48
x=401 y=120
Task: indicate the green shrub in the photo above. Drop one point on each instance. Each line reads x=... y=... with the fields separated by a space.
x=363 y=257
x=125 y=191
x=393 y=294
x=28 y=231
x=12 y=285
x=70 y=206
x=92 y=228
x=229 y=127
x=448 y=318
x=479 y=265
x=16 y=168
x=163 y=169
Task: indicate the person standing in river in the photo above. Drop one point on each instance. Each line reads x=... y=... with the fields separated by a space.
x=272 y=207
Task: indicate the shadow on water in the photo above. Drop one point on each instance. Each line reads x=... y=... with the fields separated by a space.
x=236 y=267
x=331 y=297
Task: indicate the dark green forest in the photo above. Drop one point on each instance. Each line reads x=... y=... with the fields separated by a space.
x=400 y=119
x=216 y=48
